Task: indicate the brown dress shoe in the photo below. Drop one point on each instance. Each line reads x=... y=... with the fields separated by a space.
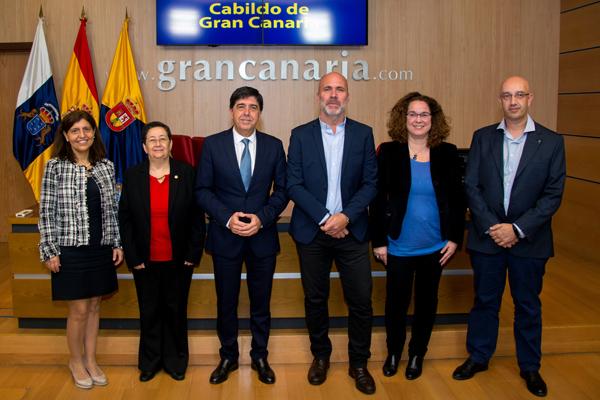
x=317 y=373
x=363 y=380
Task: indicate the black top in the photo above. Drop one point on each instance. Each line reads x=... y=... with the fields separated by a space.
x=94 y=206
x=186 y=219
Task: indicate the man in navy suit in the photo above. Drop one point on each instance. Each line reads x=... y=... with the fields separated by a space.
x=514 y=181
x=332 y=172
x=241 y=185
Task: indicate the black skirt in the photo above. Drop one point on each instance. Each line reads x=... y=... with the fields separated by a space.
x=85 y=272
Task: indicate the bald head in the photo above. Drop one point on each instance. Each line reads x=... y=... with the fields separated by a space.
x=515 y=97
x=333 y=97
x=335 y=77
x=514 y=81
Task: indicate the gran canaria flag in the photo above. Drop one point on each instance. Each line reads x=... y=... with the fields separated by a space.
x=122 y=115
x=36 y=116
x=79 y=88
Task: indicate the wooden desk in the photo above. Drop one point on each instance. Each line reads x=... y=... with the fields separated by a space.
x=32 y=294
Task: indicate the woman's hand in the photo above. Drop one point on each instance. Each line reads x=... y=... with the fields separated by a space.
x=188 y=263
x=380 y=253
x=138 y=267
x=117 y=256
x=447 y=252
x=53 y=264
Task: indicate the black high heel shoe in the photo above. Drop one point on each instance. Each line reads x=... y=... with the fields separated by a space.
x=390 y=367
x=414 y=369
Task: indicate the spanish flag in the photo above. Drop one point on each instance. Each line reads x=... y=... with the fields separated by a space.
x=36 y=116
x=122 y=114
x=79 y=88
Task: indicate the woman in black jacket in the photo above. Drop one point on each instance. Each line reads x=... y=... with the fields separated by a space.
x=162 y=231
x=417 y=221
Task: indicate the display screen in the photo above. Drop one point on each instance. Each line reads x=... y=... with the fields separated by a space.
x=261 y=22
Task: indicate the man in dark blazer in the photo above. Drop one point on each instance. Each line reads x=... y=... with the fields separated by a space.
x=514 y=182
x=332 y=173
x=240 y=184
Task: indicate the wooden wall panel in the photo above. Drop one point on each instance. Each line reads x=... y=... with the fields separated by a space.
x=576 y=227
x=580 y=72
x=458 y=50
x=576 y=223
x=579 y=29
x=579 y=114
x=583 y=159
x=12 y=64
x=571 y=4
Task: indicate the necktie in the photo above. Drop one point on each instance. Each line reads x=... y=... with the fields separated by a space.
x=246 y=165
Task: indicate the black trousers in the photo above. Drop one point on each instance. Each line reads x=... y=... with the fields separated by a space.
x=353 y=263
x=259 y=279
x=425 y=272
x=526 y=277
x=162 y=292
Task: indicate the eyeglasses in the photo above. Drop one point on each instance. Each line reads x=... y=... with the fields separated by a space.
x=414 y=115
x=161 y=140
x=508 y=96
x=75 y=131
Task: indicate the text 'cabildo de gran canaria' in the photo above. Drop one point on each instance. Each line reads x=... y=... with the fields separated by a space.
x=263 y=16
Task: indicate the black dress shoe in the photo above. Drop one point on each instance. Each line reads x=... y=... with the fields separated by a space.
x=317 y=372
x=363 y=380
x=390 y=366
x=467 y=369
x=535 y=383
x=414 y=369
x=265 y=373
x=221 y=373
x=178 y=376
x=145 y=376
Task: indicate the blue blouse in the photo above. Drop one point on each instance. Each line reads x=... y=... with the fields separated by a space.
x=420 y=234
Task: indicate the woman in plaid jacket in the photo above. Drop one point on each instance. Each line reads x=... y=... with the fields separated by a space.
x=79 y=236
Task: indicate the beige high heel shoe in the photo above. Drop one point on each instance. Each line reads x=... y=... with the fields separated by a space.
x=99 y=380
x=85 y=383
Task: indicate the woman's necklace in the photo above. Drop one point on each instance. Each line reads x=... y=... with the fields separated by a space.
x=88 y=167
x=415 y=155
x=157 y=175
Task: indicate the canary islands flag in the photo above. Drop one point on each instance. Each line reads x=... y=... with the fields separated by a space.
x=122 y=114
x=79 y=89
x=36 y=115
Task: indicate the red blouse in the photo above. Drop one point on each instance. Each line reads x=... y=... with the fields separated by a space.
x=160 y=235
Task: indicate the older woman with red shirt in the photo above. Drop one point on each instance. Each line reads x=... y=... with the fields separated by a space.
x=163 y=234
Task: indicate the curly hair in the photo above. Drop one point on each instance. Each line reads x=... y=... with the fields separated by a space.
x=62 y=148
x=397 y=130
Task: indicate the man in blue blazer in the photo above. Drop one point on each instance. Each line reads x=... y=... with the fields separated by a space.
x=514 y=182
x=332 y=172
x=240 y=184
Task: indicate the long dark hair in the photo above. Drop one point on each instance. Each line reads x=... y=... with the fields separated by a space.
x=440 y=129
x=62 y=148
